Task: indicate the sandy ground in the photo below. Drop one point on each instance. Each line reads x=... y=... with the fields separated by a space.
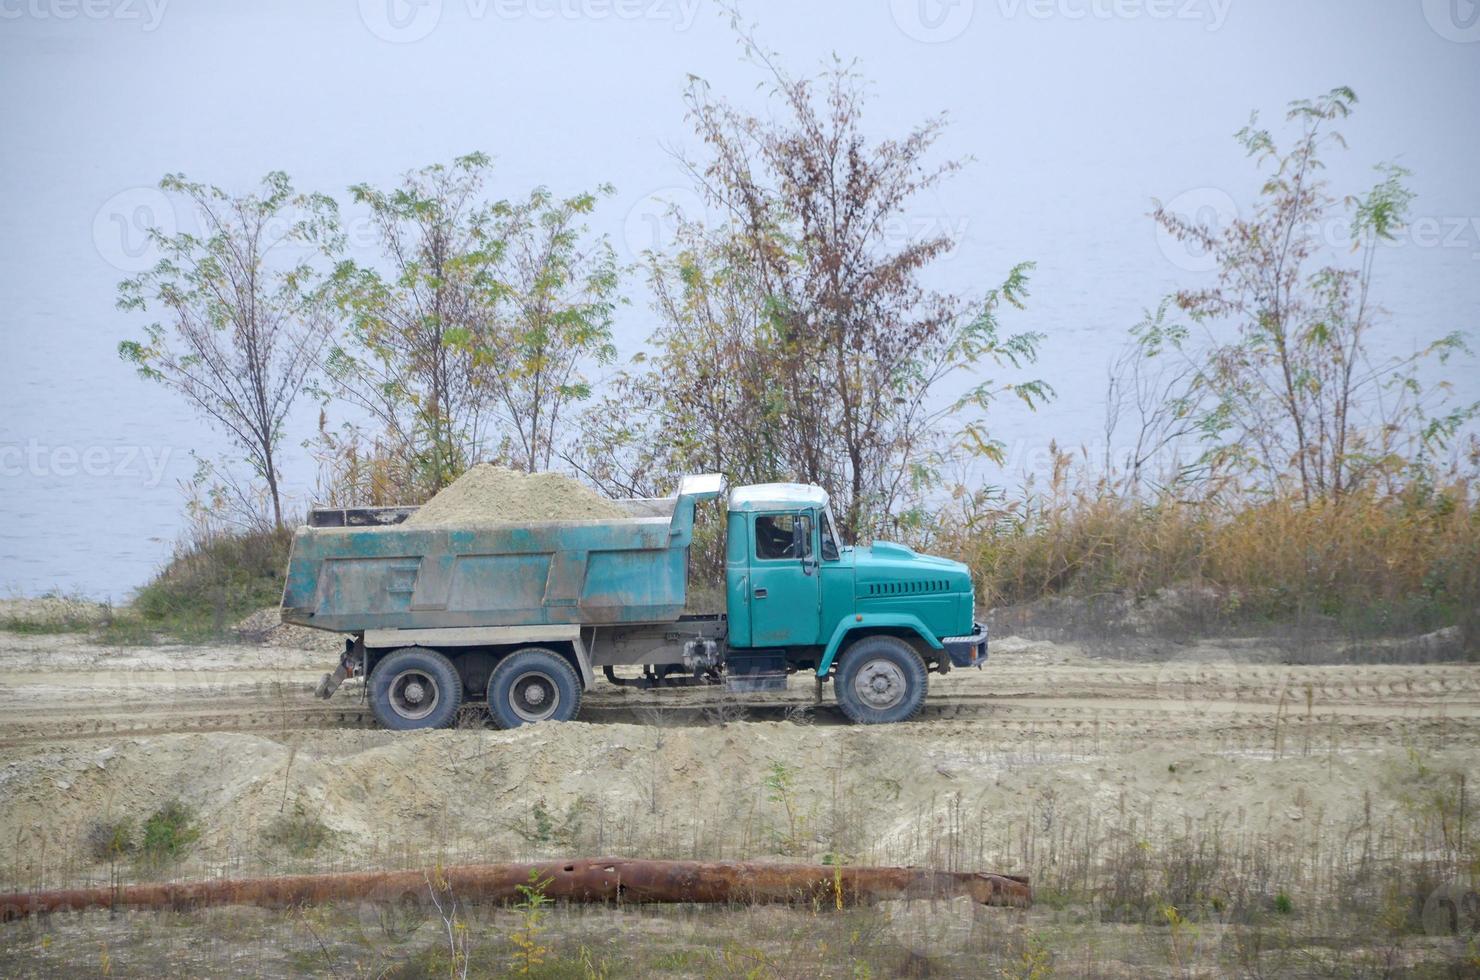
x=1283 y=753
x=1045 y=756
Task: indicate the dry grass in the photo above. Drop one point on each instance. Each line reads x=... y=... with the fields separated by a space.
x=354 y=472
x=1369 y=563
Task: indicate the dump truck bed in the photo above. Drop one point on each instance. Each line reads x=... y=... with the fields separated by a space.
x=595 y=572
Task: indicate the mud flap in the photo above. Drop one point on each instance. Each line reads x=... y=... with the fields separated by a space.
x=331 y=682
x=350 y=664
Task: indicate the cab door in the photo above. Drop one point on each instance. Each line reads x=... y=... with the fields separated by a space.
x=785 y=589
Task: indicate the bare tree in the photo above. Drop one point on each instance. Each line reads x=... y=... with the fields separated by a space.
x=854 y=347
x=1294 y=396
x=245 y=319
x=1155 y=401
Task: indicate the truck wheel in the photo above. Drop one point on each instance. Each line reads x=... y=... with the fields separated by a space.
x=533 y=685
x=881 y=679
x=415 y=688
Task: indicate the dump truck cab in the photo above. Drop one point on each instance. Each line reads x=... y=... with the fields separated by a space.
x=799 y=599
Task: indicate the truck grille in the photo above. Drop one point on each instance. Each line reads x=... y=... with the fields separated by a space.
x=908 y=588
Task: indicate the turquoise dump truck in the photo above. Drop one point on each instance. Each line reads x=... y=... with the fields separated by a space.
x=526 y=615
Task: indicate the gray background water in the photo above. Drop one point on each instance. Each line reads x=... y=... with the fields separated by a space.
x=1077 y=112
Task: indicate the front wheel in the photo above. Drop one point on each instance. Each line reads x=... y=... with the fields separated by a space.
x=533 y=685
x=415 y=688
x=881 y=679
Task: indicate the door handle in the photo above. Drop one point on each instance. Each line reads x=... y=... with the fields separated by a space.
x=760 y=592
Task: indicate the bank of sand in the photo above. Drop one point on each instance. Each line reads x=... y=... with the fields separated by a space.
x=1043 y=744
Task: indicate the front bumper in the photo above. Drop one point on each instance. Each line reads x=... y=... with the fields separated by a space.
x=967 y=651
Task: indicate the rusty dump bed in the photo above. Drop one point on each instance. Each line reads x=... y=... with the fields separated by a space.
x=386 y=576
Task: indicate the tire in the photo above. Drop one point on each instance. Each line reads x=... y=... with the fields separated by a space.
x=881 y=680
x=533 y=685
x=414 y=688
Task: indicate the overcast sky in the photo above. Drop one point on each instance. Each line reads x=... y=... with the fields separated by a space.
x=1077 y=114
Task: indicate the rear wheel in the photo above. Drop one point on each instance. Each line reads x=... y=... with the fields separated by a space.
x=415 y=688
x=881 y=679
x=533 y=685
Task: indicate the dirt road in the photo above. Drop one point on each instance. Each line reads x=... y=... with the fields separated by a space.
x=55 y=688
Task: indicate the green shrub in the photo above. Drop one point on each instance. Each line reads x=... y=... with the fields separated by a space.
x=168 y=833
x=208 y=586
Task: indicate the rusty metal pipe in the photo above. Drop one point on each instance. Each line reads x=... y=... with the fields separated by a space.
x=575 y=880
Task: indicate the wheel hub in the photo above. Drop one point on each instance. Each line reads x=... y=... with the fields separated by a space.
x=880 y=684
x=414 y=694
x=534 y=696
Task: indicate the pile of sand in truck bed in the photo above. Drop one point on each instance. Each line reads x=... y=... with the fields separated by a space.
x=488 y=494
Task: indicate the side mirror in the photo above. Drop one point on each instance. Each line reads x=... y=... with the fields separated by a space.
x=801 y=541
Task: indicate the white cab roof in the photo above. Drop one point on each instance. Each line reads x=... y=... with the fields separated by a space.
x=783 y=496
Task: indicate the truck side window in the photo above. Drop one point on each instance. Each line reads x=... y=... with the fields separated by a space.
x=829 y=540
x=774 y=536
